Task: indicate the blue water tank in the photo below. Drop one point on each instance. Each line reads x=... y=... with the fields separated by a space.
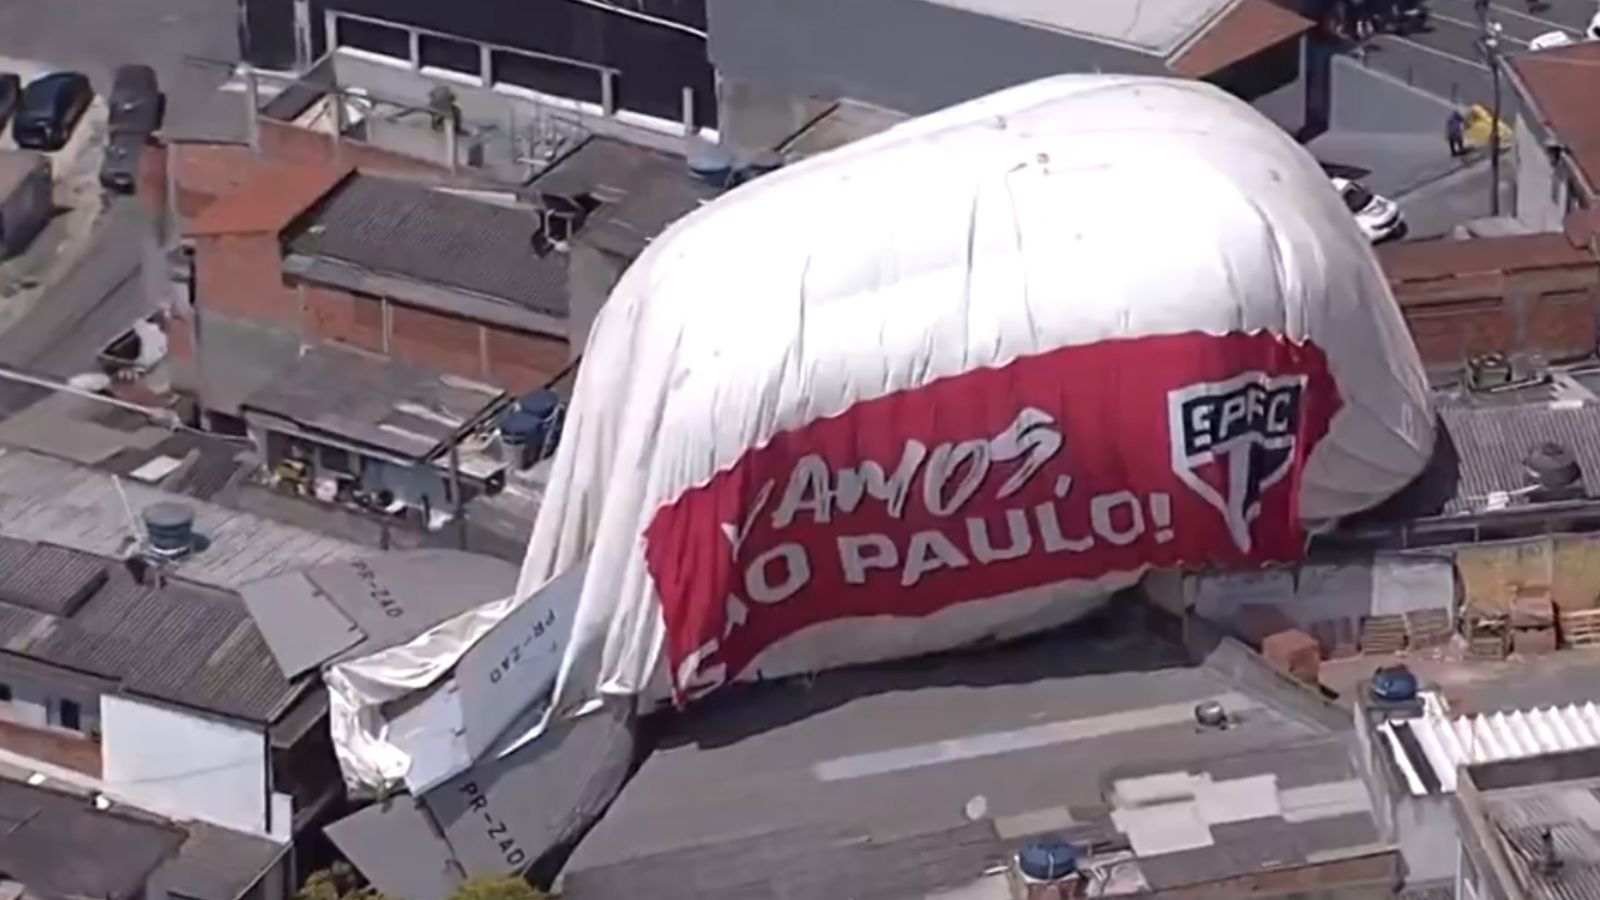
x=533 y=425
x=1394 y=684
x=1047 y=859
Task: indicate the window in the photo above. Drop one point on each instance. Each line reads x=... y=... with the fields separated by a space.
x=546 y=76
x=5 y=693
x=337 y=461
x=444 y=53
x=375 y=38
x=71 y=715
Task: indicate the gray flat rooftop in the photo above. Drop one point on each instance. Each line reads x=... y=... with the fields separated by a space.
x=58 y=845
x=400 y=409
x=218 y=863
x=355 y=607
x=961 y=755
x=54 y=502
x=1157 y=27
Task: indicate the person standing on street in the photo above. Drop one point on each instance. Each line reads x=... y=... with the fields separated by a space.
x=1455 y=129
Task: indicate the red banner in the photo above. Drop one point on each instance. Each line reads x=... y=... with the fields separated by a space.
x=1172 y=450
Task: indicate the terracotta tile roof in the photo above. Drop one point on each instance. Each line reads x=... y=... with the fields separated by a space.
x=1559 y=85
x=1250 y=26
x=270 y=200
x=1445 y=258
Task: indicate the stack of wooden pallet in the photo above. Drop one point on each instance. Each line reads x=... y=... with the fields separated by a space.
x=1533 y=621
x=1581 y=628
x=1428 y=628
x=1383 y=634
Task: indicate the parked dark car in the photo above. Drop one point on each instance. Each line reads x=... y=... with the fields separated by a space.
x=136 y=102
x=50 y=110
x=137 y=106
x=119 y=169
x=10 y=93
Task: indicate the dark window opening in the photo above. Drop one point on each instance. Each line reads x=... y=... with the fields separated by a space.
x=5 y=693
x=444 y=53
x=71 y=715
x=545 y=76
x=336 y=460
x=222 y=423
x=374 y=38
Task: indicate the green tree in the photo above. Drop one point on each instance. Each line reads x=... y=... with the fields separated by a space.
x=498 y=887
x=339 y=881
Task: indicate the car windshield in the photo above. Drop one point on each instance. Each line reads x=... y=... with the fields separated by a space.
x=1356 y=198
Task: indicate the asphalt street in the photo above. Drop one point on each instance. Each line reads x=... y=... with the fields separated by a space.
x=103 y=294
x=1447 y=61
x=95 y=36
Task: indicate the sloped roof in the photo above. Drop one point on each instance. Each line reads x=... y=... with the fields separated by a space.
x=181 y=642
x=270 y=201
x=1559 y=82
x=396 y=227
x=1247 y=27
x=59 y=845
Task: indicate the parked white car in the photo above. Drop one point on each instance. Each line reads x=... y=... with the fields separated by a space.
x=1560 y=38
x=1378 y=216
x=1550 y=39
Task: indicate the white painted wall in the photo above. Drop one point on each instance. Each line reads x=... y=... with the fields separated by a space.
x=38 y=704
x=168 y=759
x=1541 y=188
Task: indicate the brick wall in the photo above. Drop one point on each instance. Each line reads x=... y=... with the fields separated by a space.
x=240 y=275
x=445 y=343
x=521 y=362
x=515 y=360
x=1563 y=324
x=1556 y=320
x=343 y=318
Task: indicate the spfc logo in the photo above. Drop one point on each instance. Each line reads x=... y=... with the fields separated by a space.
x=1232 y=440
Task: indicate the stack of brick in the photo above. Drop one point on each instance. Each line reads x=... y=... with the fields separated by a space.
x=1339 y=638
x=1383 y=634
x=1295 y=653
x=1427 y=628
x=1533 y=621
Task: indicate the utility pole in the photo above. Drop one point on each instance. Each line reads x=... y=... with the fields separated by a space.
x=1491 y=49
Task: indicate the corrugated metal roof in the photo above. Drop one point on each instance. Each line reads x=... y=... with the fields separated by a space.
x=269 y=202
x=1249 y=27
x=1521 y=818
x=50 y=501
x=1492 y=443
x=181 y=643
x=414 y=231
x=47 y=579
x=1429 y=750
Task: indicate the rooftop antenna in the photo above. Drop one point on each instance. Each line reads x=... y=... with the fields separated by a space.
x=1549 y=862
x=139 y=537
